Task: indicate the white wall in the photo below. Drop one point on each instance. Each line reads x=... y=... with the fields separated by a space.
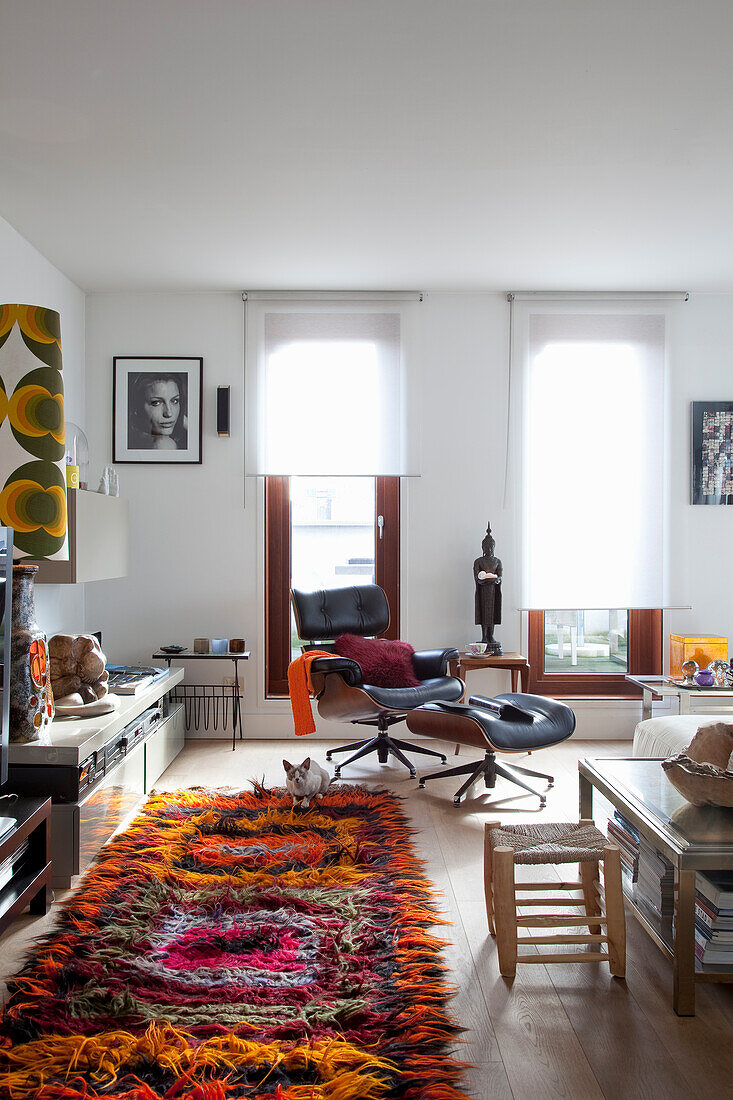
x=26 y=276
x=193 y=553
x=701 y=368
x=196 y=541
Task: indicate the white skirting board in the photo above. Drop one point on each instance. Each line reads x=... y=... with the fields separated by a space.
x=602 y=720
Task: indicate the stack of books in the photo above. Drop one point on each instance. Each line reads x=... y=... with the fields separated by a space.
x=655 y=883
x=625 y=837
x=714 y=920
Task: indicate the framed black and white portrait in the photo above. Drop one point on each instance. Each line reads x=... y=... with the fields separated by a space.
x=156 y=408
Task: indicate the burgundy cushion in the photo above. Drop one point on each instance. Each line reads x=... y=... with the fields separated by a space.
x=383 y=663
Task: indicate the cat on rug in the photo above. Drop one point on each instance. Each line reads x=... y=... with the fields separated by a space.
x=305 y=781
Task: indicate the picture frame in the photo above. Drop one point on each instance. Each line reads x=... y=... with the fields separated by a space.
x=157 y=409
x=712 y=452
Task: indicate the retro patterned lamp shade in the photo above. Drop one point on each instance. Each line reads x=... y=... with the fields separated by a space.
x=32 y=473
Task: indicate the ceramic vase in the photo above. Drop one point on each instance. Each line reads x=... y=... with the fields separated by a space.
x=31 y=696
x=32 y=448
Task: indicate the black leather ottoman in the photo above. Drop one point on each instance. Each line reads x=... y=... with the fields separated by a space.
x=514 y=722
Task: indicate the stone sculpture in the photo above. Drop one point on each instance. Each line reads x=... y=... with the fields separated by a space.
x=78 y=669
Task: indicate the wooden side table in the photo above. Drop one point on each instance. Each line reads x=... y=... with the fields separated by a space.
x=515 y=663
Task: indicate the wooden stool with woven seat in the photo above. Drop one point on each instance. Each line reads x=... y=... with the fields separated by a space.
x=566 y=842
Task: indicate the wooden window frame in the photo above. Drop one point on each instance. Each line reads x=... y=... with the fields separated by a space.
x=278 y=560
x=277 y=585
x=645 y=658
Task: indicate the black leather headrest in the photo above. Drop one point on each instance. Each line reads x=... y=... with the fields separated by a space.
x=362 y=609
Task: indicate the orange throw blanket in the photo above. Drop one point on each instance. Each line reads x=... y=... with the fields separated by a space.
x=300 y=689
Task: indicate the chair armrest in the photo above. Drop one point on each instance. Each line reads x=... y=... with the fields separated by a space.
x=431 y=663
x=344 y=666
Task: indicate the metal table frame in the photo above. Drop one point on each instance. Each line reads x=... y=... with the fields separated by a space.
x=687 y=860
x=236 y=701
x=658 y=687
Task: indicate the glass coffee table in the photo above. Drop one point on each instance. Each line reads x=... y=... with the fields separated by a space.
x=654 y=688
x=692 y=838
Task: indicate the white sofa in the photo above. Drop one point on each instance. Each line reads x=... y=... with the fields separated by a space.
x=669 y=734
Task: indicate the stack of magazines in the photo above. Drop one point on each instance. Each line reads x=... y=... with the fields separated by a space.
x=655 y=884
x=714 y=920
x=625 y=837
x=131 y=679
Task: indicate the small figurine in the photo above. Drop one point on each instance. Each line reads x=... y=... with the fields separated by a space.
x=109 y=483
x=487 y=573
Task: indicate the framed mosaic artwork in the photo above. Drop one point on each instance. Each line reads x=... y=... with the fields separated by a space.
x=712 y=452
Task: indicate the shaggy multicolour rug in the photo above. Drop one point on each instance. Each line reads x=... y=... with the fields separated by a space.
x=227 y=945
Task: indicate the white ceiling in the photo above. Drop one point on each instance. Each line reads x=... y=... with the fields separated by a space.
x=452 y=144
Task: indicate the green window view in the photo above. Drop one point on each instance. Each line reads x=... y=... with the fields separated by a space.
x=586 y=642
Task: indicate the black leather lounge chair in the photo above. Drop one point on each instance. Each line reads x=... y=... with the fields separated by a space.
x=339 y=686
x=514 y=722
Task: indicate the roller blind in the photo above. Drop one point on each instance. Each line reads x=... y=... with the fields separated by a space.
x=594 y=484
x=328 y=391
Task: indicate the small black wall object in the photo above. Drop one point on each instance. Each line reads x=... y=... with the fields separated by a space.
x=222 y=410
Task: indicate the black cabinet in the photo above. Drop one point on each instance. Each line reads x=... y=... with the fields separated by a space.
x=25 y=859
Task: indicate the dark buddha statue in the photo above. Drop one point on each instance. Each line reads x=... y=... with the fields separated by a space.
x=487 y=577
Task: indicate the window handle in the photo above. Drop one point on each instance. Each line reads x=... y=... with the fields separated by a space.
x=380 y=525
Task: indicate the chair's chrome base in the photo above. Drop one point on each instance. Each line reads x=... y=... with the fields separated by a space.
x=383 y=745
x=488 y=769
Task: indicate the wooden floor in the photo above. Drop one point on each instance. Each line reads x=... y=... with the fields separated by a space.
x=554 y=1031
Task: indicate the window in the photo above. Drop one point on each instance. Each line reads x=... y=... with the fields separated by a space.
x=327 y=393
x=331 y=534
x=325 y=532
x=593 y=498
x=331 y=440
x=590 y=652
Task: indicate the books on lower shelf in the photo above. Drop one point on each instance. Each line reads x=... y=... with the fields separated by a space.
x=655 y=884
x=649 y=881
x=648 y=877
x=714 y=920
x=625 y=837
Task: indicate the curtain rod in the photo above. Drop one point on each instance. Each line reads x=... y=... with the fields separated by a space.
x=598 y=295
x=332 y=295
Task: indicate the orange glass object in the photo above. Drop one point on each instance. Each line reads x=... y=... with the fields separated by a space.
x=703 y=649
